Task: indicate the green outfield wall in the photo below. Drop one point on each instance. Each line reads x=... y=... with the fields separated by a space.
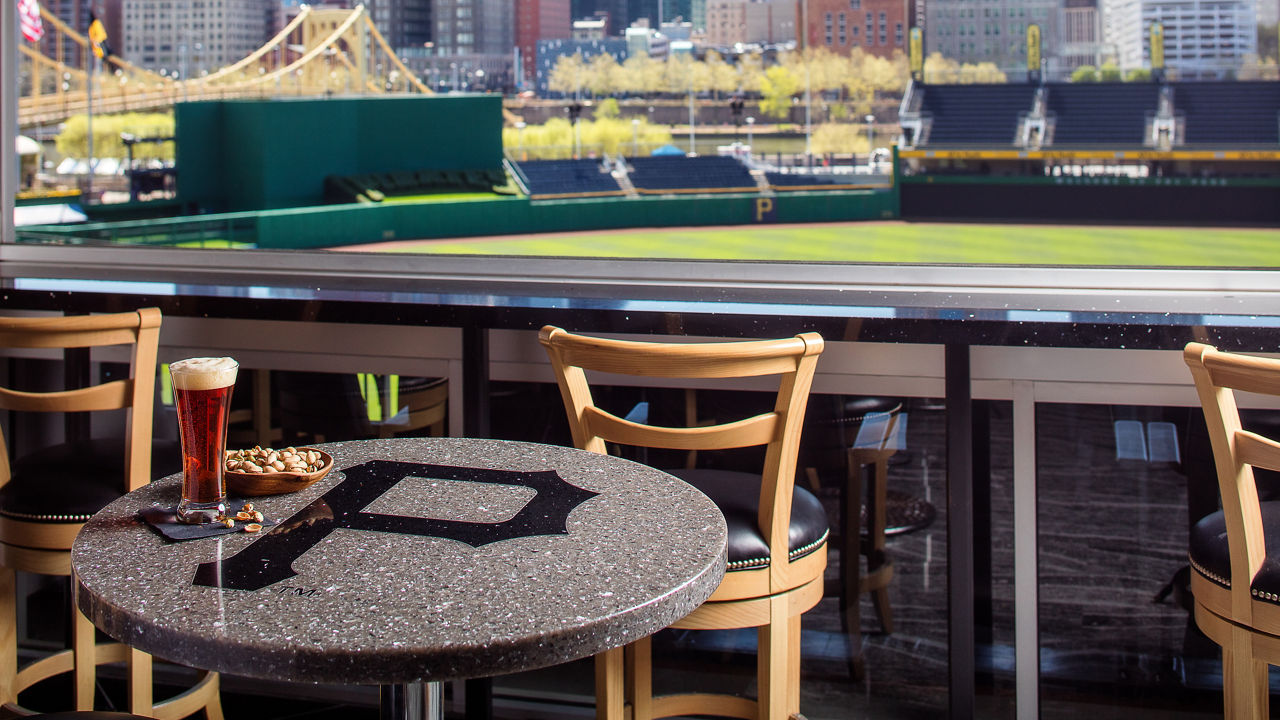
x=236 y=155
x=357 y=224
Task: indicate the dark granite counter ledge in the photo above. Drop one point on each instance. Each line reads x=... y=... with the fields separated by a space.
x=1011 y=306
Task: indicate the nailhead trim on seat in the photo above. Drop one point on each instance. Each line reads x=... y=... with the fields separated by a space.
x=1224 y=582
x=756 y=563
x=81 y=518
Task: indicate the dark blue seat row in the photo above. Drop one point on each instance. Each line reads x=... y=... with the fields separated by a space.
x=1231 y=113
x=686 y=173
x=976 y=114
x=1102 y=113
x=568 y=177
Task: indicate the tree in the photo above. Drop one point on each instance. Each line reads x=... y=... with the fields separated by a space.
x=1138 y=75
x=940 y=70
x=750 y=71
x=73 y=141
x=984 y=72
x=608 y=108
x=1084 y=73
x=1109 y=72
x=568 y=75
x=641 y=74
x=602 y=72
x=724 y=77
x=839 y=138
x=778 y=85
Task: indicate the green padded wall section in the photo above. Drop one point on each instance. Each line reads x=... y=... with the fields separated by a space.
x=356 y=224
x=235 y=155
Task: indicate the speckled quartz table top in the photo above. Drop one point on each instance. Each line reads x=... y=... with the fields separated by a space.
x=415 y=559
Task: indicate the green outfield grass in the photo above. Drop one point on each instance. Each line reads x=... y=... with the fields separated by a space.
x=899 y=242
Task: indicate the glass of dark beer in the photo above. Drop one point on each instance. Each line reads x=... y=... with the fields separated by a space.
x=202 y=389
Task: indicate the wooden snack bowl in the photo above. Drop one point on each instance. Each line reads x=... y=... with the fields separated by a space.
x=275 y=483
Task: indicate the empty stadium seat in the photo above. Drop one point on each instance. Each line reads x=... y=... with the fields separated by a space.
x=981 y=114
x=690 y=174
x=1229 y=113
x=1101 y=114
x=561 y=178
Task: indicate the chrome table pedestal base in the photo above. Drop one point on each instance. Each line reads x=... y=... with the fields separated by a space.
x=412 y=701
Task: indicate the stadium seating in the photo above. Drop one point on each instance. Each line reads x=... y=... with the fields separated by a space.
x=1229 y=113
x=690 y=174
x=557 y=178
x=985 y=115
x=808 y=181
x=1101 y=114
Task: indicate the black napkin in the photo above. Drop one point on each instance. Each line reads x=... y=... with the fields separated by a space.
x=164 y=520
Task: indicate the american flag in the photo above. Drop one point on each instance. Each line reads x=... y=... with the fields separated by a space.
x=29 y=20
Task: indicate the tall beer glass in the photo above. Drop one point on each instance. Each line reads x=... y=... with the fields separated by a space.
x=202 y=388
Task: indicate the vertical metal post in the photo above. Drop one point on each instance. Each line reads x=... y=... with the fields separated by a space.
x=411 y=701
x=8 y=117
x=960 y=531
x=475 y=381
x=1026 y=606
x=475 y=423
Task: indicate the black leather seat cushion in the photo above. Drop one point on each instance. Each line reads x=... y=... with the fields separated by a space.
x=738 y=496
x=1211 y=558
x=71 y=482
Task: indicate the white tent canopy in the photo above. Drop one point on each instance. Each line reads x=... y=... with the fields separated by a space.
x=24 y=145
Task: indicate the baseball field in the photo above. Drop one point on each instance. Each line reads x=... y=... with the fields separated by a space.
x=894 y=242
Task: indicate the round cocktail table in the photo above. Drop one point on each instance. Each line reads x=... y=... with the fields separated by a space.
x=413 y=562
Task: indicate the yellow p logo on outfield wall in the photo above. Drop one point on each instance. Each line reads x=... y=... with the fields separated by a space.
x=764 y=209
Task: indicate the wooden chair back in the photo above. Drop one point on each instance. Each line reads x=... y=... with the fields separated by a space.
x=793 y=360
x=136 y=393
x=1236 y=452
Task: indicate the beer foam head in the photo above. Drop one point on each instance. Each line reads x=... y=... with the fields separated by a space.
x=203 y=373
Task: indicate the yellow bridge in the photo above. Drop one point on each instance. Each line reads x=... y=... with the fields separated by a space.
x=321 y=52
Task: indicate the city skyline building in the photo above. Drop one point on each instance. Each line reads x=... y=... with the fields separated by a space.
x=750 y=22
x=879 y=27
x=538 y=20
x=995 y=32
x=405 y=24
x=188 y=38
x=1081 y=35
x=1203 y=39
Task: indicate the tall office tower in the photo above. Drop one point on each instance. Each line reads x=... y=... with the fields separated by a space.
x=406 y=24
x=538 y=20
x=464 y=27
x=878 y=27
x=1268 y=12
x=187 y=38
x=995 y=32
x=1203 y=39
x=1081 y=29
x=759 y=22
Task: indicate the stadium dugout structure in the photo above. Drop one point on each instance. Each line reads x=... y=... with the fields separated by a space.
x=1180 y=152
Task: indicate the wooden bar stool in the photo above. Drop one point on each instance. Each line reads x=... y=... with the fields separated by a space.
x=88 y=715
x=46 y=497
x=1235 y=577
x=777 y=532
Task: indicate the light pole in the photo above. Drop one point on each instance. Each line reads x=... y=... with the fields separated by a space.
x=635 y=137
x=692 y=147
x=871 y=139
